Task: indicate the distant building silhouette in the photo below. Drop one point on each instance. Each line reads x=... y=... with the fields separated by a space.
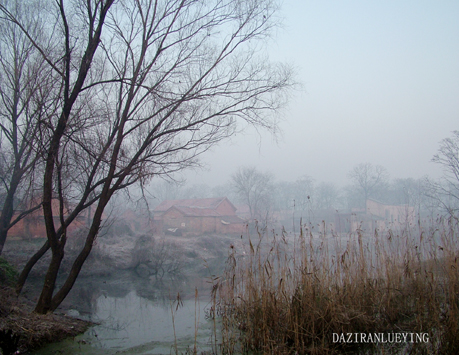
x=198 y=216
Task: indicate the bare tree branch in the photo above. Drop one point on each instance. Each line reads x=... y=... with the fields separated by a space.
x=149 y=88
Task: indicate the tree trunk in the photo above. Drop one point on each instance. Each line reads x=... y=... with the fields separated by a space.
x=7 y=211
x=57 y=239
x=28 y=267
x=5 y=218
x=81 y=258
x=73 y=275
x=44 y=302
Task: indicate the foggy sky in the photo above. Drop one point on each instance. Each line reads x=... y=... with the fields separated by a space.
x=380 y=84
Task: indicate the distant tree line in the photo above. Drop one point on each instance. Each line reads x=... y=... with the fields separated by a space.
x=263 y=195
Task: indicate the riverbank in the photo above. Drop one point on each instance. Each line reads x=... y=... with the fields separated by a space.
x=118 y=265
x=32 y=330
x=150 y=256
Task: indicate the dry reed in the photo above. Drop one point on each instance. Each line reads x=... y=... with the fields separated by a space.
x=290 y=294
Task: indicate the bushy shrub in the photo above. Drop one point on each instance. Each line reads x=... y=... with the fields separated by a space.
x=158 y=257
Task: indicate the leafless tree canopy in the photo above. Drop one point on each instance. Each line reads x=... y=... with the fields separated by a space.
x=369 y=180
x=170 y=79
x=144 y=87
x=24 y=100
x=446 y=191
x=255 y=190
x=326 y=196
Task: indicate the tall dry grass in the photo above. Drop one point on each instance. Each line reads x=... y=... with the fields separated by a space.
x=286 y=294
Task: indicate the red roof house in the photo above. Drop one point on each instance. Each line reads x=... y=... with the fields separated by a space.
x=198 y=216
x=33 y=224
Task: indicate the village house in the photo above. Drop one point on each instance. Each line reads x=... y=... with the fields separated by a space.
x=198 y=216
x=33 y=224
x=390 y=216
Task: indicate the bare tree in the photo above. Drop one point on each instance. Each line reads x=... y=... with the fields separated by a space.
x=24 y=101
x=254 y=189
x=303 y=192
x=369 y=180
x=283 y=195
x=326 y=196
x=446 y=191
x=417 y=193
x=147 y=86
x=165 y=190
x=294 y=195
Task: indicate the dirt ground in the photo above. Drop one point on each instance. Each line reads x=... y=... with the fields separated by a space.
x=33 y=330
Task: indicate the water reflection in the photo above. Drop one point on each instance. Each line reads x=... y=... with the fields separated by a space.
x=132 y=320
x=137 y=316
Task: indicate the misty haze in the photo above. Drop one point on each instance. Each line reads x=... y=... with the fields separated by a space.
x=229 y=177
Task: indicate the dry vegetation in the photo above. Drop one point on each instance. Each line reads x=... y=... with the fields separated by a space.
x=32 y=330
x=288 y=295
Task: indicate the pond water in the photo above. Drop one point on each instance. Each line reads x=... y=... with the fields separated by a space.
x=136 y=316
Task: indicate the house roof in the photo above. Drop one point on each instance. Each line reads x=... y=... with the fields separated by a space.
x=232 y=220
x=386 y=204
x=206 y=212
x=189 y=205
x=197 y=211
